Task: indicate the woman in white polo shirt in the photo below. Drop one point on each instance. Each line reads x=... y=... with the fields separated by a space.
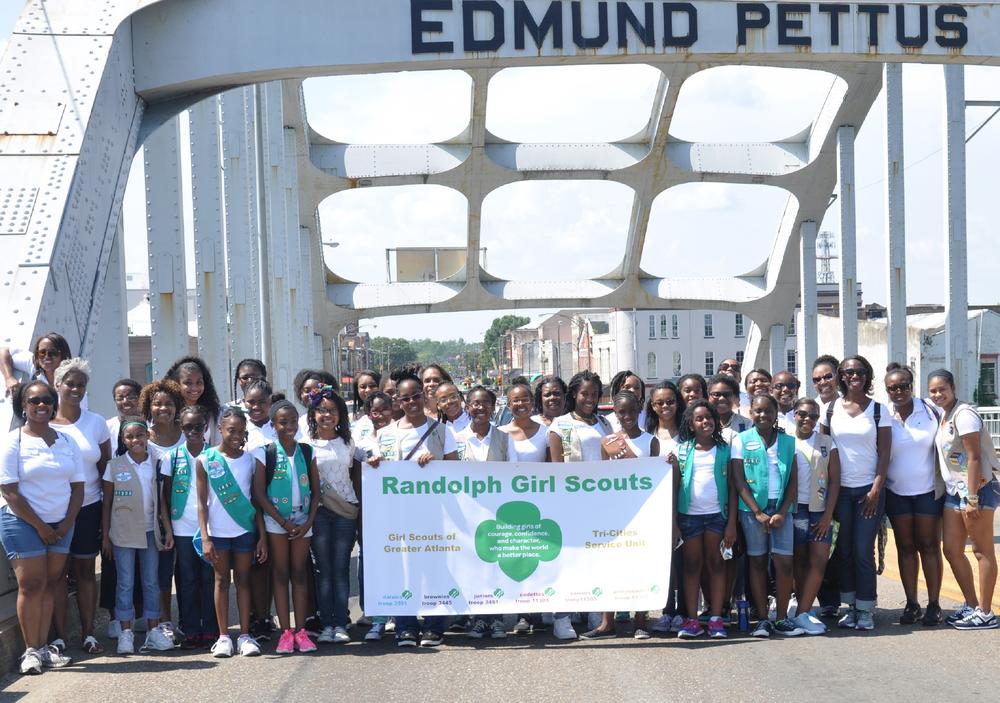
x=41 y=480
x=914 y=495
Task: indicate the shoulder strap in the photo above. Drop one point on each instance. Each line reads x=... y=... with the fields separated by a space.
x=307 y=452
x=604 y=422
x=877 y=412
x=420 y=441
x=829 y=415
x=931 y=410
x=270 y=461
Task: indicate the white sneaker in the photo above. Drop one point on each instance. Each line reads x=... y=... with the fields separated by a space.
x=31 y=663
x=326 y=636
x=52 y=658
x=375 y=633
x=562 y=628
x=810 y=623
x=772 y=608
x=248 y=646
x=126 y=642
x=522 y=627
x=158 y=641
x=390 y=626
x=793 y=607
x=170 y=630
x=223 y=647
x=340 y=635
x=114 y=629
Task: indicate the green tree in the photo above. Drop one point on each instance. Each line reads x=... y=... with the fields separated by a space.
x=494 y=336
x=392 y=352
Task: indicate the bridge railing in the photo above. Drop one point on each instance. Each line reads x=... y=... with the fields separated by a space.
x=991 y=416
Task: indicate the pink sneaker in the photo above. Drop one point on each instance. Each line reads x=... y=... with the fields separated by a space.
x=302 y=641
x=286 y=644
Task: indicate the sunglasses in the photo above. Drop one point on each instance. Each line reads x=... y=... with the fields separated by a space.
x=824 y=377
x=784 y=386
x=409 y=398
x=716 y=395
x=729 y=367
x=198 y=427
x=40 y=400
x=848 y=373
x=802 y=415
x=48 y=354
x=899 y=388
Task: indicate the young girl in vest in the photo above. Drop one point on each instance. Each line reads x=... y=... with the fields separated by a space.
x=481 y=441
x=415 y=437
x=195 y=590
x=576 y=436
x=764 y=476
x=629 y=442
x=230 y=527
x=817 y=467
x=287 y=492
x=706 y=513
x=131 y=527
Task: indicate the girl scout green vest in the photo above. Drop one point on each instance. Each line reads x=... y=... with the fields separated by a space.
x=755 y=465
x=685 y=457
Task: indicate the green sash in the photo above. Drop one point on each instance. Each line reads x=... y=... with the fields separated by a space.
x=227 y=490
x=280 y=488
x=180 y=471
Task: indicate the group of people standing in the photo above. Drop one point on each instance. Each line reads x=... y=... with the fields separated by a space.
x=182 y=492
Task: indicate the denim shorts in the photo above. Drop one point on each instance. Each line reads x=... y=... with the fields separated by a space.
x=696 y=525
x=86 y=542
x=803 y=524
x=989 y=498
x=272 y=527
x=761 y=541
x=21 y=540
x=244 y=544
x=923 y=504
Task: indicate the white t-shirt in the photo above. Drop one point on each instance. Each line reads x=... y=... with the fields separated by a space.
x=89 y=432
x=460 y=423
x=303 y=434
x=43 y=473
x=912 y=463
x=114 y=425
x=786 y=421
x=187 y=524
x=147 y=479
x=24 y=361
x=158 y=451
x=856 y=439
x=258 y=437
x=804 y=468
x=617 y=426
x=773 y=475
x=668 y=446
x=409 y=437
x=640 y=445
x=475 y=449
x=333 y=461
x=704 y=493
x=361 y=429
x=219 y=522
x=590 y=436
x=737 y=423
x=531 y=449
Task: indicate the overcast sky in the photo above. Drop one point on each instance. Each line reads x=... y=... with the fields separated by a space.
x=526 y=225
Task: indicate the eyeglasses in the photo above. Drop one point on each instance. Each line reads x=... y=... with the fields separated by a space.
x=197 y=427
x=802 y=415
x=784 y=386
x=409 y=398
x=716 y=395
x=324 y=411
x=848 y=373
x=453 y=398
x=40 y=400
x=899 y=388
x=824 y=377
x=126 y=398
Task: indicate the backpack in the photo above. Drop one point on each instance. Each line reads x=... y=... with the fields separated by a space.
x=271 y=459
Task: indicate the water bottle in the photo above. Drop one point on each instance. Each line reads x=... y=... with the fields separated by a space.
x=743 y=613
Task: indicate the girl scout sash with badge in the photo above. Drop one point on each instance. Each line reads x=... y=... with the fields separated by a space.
x=180 y=470
x=227 y=490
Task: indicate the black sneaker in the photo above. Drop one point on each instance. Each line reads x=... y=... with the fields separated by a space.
x=406 y=638
x=763 y=630
x=932 y=616
x=598 y=634
x=431 y=639
x=462 y=625
x=911 y=613
x=261 y=629
x=313 y=626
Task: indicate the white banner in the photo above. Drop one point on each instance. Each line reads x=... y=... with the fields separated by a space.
x=465 y=537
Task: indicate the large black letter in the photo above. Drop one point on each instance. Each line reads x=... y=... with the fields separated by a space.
x=785 y=24
x=646 y=32
x=961 y=36
x=552 y=21
x=745 y=22
x=835 y=10
x=873 y=11
x=669 y=38
x=901 y=37
x=602 y=28
x=419 y=26
x=469 y=10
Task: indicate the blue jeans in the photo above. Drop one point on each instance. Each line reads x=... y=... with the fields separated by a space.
x=855 y=550
x=332 y=542
x=195 y=590
x=149 y=574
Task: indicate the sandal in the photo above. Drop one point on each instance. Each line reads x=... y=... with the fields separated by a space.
x=91 y=645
